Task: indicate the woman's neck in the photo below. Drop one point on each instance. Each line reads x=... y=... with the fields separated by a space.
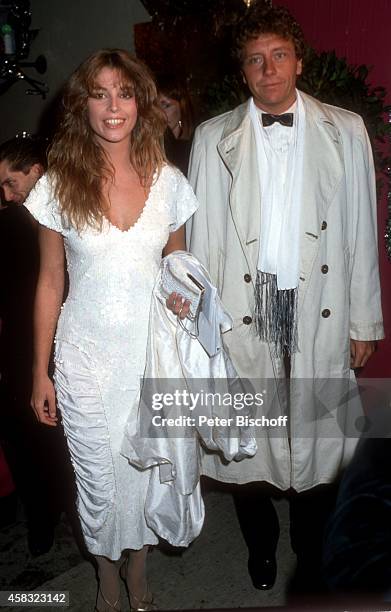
x=118 y=155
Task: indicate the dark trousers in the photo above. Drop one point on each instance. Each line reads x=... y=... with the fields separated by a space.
x=308 y=511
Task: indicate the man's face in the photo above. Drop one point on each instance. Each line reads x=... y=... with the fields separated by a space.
x=270 y=68
x=15 y=184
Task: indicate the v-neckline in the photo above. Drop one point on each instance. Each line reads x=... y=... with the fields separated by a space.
x=142 y=211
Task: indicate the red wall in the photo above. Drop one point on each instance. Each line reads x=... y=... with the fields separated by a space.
x=360 y=31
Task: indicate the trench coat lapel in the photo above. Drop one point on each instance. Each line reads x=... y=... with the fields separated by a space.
x=322 y=174
x=238 y=152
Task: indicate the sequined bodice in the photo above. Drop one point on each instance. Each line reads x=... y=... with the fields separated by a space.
x=112 y=273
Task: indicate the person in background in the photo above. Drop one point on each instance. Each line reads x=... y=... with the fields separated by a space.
x=22 y=163
x=176 y=103
x=44 y=487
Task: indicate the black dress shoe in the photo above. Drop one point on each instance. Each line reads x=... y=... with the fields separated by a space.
x=263 y=572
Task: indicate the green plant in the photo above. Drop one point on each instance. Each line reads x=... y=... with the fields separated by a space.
x=331 y=79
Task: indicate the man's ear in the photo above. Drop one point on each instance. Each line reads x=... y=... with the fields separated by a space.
x=299 y=68
x=37 y=170
x=243 y=77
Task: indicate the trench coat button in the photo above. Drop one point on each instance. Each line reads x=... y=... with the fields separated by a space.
x=247 y=320
x=247 y=278
x=325 y=269
x=324 y=225
x=326 y=313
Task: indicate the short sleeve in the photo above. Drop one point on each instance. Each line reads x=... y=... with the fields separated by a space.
x=42 y=204
x=184 y=202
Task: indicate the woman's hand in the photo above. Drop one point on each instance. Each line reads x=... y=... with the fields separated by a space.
x=175 y=301
x=43 y=400
x=178 y=305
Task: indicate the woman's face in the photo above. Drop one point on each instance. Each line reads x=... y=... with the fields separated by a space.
x=172 y=110
x=112 y=108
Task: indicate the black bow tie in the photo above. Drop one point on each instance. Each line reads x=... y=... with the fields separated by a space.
x=285 y=119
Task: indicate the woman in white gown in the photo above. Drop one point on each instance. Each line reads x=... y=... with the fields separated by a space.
x=115 y=205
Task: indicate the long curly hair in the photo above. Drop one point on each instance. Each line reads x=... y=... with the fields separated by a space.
x=77 y=163
x=262 y=18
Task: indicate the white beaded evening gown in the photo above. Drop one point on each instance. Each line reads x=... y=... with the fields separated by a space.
x=100 y=353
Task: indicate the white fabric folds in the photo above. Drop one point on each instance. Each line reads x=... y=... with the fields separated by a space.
x=174 y=508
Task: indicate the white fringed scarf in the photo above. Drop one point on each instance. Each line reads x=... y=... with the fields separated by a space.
x=278 y=259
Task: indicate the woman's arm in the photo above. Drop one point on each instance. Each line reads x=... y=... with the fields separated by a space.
x=175 y=301
x=176 y=242
x=48 y=298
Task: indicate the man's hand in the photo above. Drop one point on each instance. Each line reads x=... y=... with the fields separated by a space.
x=360 y=352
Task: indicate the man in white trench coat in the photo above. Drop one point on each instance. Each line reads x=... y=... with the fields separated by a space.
x=287 y=228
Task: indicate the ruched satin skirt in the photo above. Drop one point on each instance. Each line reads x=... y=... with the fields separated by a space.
x=111 y=492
